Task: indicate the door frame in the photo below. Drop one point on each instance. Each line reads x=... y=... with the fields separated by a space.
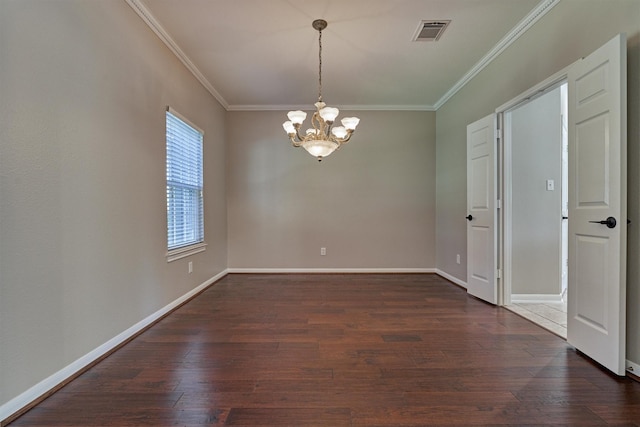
x=505 y=173
x=505 y=170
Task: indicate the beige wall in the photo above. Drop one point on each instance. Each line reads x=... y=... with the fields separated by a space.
x=572 y=29
x=371 y=204
x=84 y=86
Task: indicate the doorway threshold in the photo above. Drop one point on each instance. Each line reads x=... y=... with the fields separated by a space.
x=551 y=316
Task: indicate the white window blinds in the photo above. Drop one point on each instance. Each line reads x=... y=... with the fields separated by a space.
x=185 y=223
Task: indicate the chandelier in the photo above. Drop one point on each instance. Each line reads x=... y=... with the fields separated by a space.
x=323 y=138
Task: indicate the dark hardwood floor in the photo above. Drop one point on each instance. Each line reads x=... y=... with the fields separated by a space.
x=341 y=350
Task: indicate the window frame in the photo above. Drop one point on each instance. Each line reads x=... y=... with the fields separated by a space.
x=182 y=251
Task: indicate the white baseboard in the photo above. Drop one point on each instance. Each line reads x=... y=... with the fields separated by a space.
x=45 y=386
x=535 y=298
x=451 y=278
x=331 y=270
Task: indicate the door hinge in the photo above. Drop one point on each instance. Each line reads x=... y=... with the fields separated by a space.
x=498 y=274
x=498 y=204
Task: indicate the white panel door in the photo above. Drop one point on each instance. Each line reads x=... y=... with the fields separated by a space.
x=596 y=312
x=481 y=217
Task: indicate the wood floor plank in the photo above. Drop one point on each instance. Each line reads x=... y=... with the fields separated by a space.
x=301 y=417
x=341 y=350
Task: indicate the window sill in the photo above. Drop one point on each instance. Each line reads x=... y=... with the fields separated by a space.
x=186 y=251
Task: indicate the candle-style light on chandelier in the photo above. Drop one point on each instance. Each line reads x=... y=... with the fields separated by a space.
x=323 y=138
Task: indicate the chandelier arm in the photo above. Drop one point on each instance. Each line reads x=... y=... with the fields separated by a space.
x=296 y=126
x=346 y=138
x=329 y=126
x=294 y=142
x=317 y=123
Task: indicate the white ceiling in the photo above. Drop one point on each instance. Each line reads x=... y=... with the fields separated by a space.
x=263 y=54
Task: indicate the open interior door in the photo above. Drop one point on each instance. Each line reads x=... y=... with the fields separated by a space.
x=481 y=214
x=597 y=205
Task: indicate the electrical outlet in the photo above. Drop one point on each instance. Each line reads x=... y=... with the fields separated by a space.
x=458 y=258
x=323 y=251
x=190 y=267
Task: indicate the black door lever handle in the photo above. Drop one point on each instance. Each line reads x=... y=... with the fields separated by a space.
x=609 y=222
x=469 y=217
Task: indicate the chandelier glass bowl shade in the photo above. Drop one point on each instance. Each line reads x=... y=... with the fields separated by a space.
x=322 y=138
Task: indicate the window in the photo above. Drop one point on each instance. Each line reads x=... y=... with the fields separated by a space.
x=185 y=222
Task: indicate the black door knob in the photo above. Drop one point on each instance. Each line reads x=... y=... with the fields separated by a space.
x=609 y=222
x=469 y=217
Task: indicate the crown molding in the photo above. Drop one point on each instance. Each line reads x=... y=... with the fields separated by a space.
x=155 y=26
x=540 y=10
x=309 y=107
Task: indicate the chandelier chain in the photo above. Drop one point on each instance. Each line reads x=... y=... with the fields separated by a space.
x=320 y=66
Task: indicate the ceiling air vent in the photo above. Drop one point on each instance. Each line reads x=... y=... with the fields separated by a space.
x=430 y=31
